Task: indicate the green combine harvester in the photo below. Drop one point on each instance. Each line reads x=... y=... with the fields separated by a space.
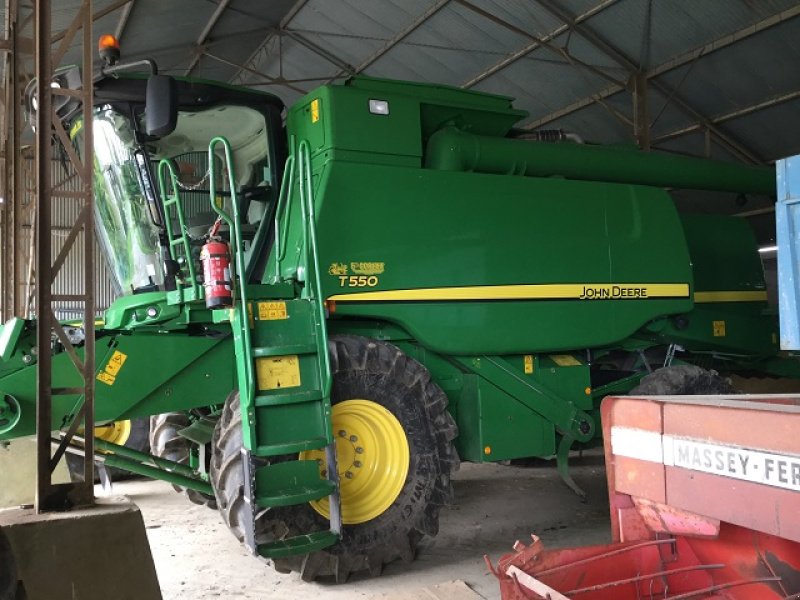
x=323 y=310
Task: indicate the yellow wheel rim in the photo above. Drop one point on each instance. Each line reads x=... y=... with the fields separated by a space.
x=372 y=458
x=117 y=432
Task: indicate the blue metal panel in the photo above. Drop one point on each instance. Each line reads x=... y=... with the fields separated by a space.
x=787 y=219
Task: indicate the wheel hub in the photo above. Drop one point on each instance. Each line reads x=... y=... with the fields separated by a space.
x=117 y=432
x=372 y=458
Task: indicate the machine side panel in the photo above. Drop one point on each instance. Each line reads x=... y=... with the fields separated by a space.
x=545 y=265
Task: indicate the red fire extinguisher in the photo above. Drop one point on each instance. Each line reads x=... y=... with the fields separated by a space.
x=216 y=259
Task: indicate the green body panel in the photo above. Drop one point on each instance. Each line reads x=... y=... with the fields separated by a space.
x=161 y=373
x=443 y=230
x=726 y=264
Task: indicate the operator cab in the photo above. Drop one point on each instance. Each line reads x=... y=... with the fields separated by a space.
x=130 y=216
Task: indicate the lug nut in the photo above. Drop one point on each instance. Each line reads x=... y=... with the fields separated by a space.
x=349 y=475
x=357 y=464
x=353 y=439
x=359 y=450
x=342 y=433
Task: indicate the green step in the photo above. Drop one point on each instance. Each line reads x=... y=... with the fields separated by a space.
x=301 y=544
x=290 y=447
x=264 y=400
x=286 y=350
x=290 y=482
x=290 y=495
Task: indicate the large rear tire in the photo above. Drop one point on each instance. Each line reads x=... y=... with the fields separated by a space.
x=682 y=380
x=369 y=378
x=166 y=442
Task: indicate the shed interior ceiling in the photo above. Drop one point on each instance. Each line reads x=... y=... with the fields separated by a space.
x=721 y=76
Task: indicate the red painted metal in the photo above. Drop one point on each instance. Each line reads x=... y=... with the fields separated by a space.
x=703 y=505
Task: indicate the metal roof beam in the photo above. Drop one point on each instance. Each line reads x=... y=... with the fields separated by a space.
x=730 y=142
x=267 y=79
x=589 y=35
x=95 y=16
x=416 y=24
x=320 y=51
x=674 y=63
x=734 y=114
x=260 y=50
x=201 y=39
x=124 y=16
x=546 y=44
x=524 y=51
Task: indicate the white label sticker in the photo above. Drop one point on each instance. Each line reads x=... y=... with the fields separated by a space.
x=746 y=464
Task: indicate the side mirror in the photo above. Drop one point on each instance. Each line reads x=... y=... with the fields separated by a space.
x=161 y=110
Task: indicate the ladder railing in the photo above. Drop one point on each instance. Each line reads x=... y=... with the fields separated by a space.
x=281 y=214
x=312 y=254
x=312 y=265
x=247 y=383
x=171 y=200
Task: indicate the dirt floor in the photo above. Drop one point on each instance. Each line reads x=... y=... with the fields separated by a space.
x=198 y=559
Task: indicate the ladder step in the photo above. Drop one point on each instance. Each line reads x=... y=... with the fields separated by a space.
x=290 y=447
x=290 y=482
x=301 y=544
x=288 y=398
x=294 y=494
x=285 y=350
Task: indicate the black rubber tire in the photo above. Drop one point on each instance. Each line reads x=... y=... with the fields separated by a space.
x=9 y=579
x=166 y=443
x=682 y=380
x=137 y=440
x=372 y=370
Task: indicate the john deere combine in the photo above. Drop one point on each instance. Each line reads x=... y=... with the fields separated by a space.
x=322 y=314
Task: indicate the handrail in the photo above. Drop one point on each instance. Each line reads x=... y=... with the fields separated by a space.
x=174 y=200
x=281 y=227
x=310 y=243
x=233 y=222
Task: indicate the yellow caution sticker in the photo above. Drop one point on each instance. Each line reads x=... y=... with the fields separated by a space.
x=272 y=311
x=565 y=360
x=276 y=372
x=315 y=111
x=528 y=358
x=109 y=373
x=718 y=328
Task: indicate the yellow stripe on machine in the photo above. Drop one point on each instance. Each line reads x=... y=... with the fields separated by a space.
x=569 y=291
x=703 y=297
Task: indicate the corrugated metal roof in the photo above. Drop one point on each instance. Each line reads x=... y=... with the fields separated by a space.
x=529 y=49
x=725 y=64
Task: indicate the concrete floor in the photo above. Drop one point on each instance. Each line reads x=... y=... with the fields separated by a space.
x=198 y=559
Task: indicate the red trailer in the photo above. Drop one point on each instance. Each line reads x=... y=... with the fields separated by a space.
x=705 y=503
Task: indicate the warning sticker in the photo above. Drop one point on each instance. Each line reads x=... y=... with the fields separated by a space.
x=272 y=311
x=565 y=360
x=719 y=328
x=278 y=372
x=528 y=364
x=109 y=374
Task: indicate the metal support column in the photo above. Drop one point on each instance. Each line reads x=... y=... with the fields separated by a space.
x=641 y=110
x=49 y=130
